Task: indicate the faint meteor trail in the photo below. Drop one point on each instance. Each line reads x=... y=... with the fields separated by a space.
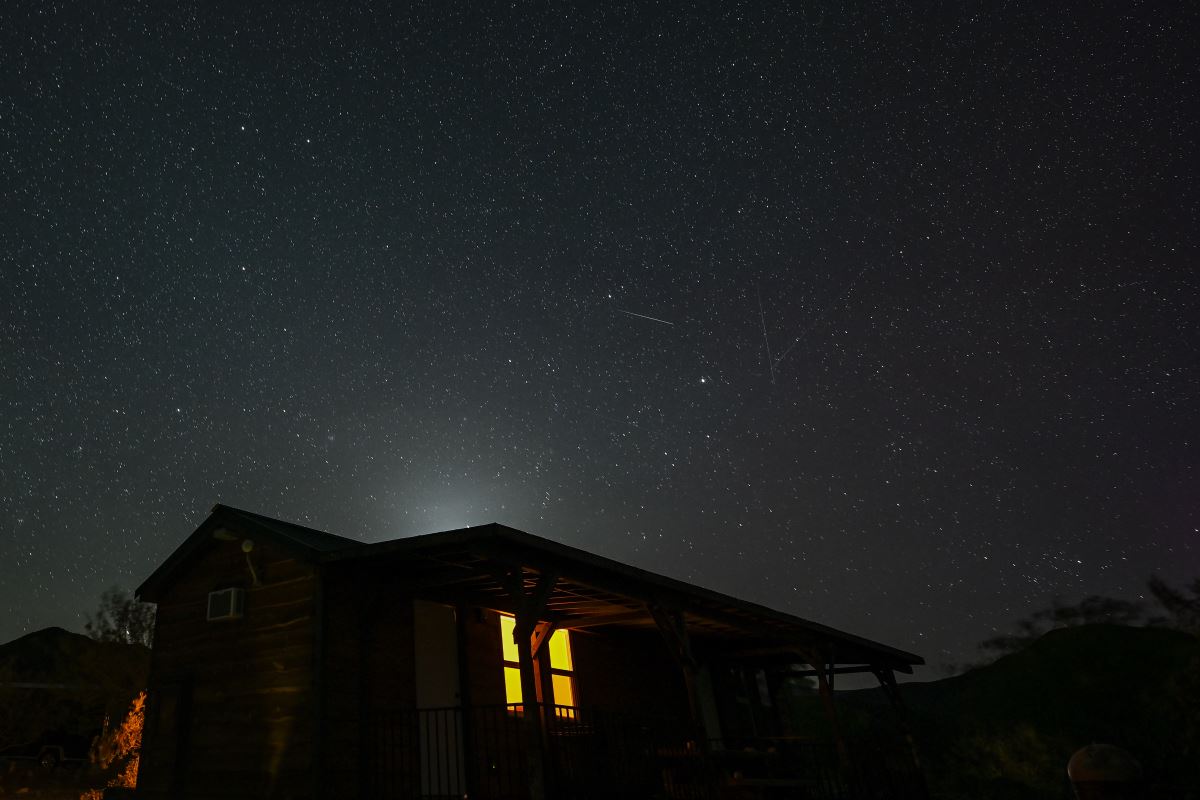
x=815 y=321
x=1113 y=288
x=174 y=86
x=643 y=316
x=762 y=317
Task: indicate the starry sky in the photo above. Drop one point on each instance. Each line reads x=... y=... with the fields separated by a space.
x=884 y=318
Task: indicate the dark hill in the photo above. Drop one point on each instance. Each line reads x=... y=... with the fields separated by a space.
x=51 y=655
x=57 y=656
x=55 y=680
x=1094 y=680
x=1008 y=728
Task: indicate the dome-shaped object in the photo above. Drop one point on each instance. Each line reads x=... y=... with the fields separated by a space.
x=1105 y=763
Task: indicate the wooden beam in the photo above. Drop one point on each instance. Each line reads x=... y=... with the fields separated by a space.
x=802 y=650
x=531 y=605
x=674 y=632
x=541 y=633
x=596 y=620
x=812 y=673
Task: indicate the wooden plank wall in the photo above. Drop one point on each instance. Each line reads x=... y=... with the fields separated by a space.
x=368 y=673
x=231 y=701
x=232 y=704
x=485 y=658
x=630 y=672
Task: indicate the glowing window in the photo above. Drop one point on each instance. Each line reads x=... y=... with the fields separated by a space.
x=512 y=685
x=564 y=689
x=562 y=677
x=508 y=639
x=560 y=651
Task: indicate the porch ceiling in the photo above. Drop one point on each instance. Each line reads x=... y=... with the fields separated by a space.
x=470 y=566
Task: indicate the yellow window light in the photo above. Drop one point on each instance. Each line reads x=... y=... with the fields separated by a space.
x=560 y=651
x=564 y=690
x=512 y=685
x=508 y=642
x=562 y=682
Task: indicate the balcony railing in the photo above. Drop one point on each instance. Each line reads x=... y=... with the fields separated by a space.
x=481 y=753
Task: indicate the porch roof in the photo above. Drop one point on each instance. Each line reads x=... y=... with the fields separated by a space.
x=469 y=565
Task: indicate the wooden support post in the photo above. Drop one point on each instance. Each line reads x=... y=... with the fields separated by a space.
x=532 y=711
x=674 y=631
x=824 y=668
x=541 y=634
x=750 y=691
x=530 y=607
x=776 y=680
x=320 y=723
x=369 y=762
x=461 y=611
x=887 y=681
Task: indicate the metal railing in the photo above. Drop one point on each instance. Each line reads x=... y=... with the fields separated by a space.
x=482 y=753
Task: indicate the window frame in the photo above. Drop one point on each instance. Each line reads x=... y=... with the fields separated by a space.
x=510 y=666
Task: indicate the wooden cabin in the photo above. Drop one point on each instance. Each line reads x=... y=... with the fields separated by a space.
x=483 y=663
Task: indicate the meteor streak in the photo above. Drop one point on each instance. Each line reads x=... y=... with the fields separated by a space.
x=643 y=316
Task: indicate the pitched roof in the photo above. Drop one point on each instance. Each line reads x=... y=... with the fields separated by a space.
x=601 y=582
x=309 y=538
x=305 y=543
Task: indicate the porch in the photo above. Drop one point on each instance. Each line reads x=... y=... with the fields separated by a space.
x=487 y=752
x=630 y=685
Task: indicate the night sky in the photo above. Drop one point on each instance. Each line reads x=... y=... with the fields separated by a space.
x=884 y=319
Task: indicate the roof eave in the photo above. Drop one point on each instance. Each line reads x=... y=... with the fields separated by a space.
x=892 y=657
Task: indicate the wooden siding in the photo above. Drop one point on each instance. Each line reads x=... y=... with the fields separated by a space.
x=232 y=710
x=231 y=701
x=367 y=671
x=628 y=671
x=485 y=660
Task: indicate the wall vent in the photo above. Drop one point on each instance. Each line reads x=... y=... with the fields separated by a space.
x=226 y=604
